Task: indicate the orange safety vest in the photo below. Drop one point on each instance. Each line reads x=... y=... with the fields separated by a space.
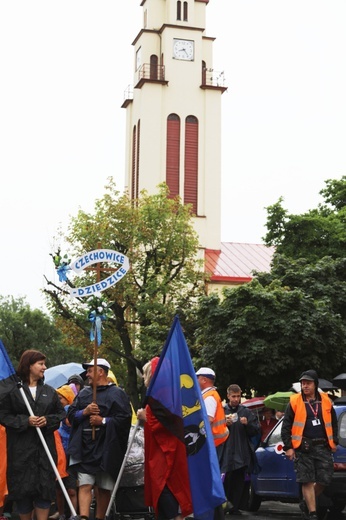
x=298 y=406
x=218 y=426
x=3 y=466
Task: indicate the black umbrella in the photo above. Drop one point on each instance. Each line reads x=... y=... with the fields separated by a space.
x=325 y=385
x=340 y=381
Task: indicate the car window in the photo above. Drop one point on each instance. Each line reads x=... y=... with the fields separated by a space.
x=342 y=429
x=275 y=436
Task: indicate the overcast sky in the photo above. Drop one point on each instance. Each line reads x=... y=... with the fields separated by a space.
x=65 y=66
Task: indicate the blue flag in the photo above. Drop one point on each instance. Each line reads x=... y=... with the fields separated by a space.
x=8 y=378
x=175 y=399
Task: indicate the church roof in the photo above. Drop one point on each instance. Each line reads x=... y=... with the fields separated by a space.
x=235 y=262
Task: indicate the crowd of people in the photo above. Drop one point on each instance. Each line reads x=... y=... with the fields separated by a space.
x=86 y=438
x=85 y=428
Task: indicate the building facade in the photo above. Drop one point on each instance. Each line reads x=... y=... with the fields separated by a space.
x=173 y=123
x=173 y=129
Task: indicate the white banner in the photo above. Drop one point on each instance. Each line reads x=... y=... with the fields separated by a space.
x=99 y=255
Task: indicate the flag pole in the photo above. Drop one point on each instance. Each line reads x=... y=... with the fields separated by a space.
x=49 y=455
x=121 y=471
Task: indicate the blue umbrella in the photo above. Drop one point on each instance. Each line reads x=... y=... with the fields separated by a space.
x=58 y=375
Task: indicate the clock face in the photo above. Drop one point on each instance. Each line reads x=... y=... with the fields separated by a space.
x=183 y=49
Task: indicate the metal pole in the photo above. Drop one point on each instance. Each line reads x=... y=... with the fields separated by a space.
x=121 y=471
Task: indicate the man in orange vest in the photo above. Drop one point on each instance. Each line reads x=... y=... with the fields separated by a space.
x=309 y=433
x=216 y=415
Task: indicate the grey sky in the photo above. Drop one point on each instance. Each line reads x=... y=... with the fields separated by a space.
x=65 y=66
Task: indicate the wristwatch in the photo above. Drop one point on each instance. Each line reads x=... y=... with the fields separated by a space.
x=104 y=421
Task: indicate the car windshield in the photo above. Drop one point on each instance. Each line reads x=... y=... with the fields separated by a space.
x=275 y=436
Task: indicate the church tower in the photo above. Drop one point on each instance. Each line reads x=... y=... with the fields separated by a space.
x=173 y=120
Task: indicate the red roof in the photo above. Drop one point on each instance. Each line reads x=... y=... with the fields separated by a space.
x=235 y=262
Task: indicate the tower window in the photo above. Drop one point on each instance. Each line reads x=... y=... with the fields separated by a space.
x=185 y=11
x=179 y=10
x=173 y=154
x=191 y=163
x=204 y=73
x=137 y=158
x=133 y=164
x=153 y=66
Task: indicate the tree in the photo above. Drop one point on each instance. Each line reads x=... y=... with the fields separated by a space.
x=157 y=234
x=319 y=232
x=22 y=328
x=264 y=333
x=261 y=335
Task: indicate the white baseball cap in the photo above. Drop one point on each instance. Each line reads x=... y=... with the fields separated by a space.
x=206 y=372
x=100 y=362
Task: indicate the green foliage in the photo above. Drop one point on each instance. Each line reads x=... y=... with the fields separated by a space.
x=262 y=335
x=335 y=193
x=157 y=234
x=22 y=328
x=276 y=222
x=319 y=232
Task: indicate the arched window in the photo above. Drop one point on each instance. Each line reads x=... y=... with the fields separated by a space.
x=204 y=73
x=185 y=11
x=179 y=10
x=191 y=163
x=173 y=154
x=137 y=158
x=153 y=66
x=133 y=163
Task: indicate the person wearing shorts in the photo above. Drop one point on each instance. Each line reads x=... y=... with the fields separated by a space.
x=26 y=505
x=98 y=438
x=309 y=433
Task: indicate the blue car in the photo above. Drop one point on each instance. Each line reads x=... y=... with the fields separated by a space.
x=275 y=477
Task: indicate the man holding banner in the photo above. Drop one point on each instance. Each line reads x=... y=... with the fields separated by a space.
x=175 y=401
x=98 y=461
